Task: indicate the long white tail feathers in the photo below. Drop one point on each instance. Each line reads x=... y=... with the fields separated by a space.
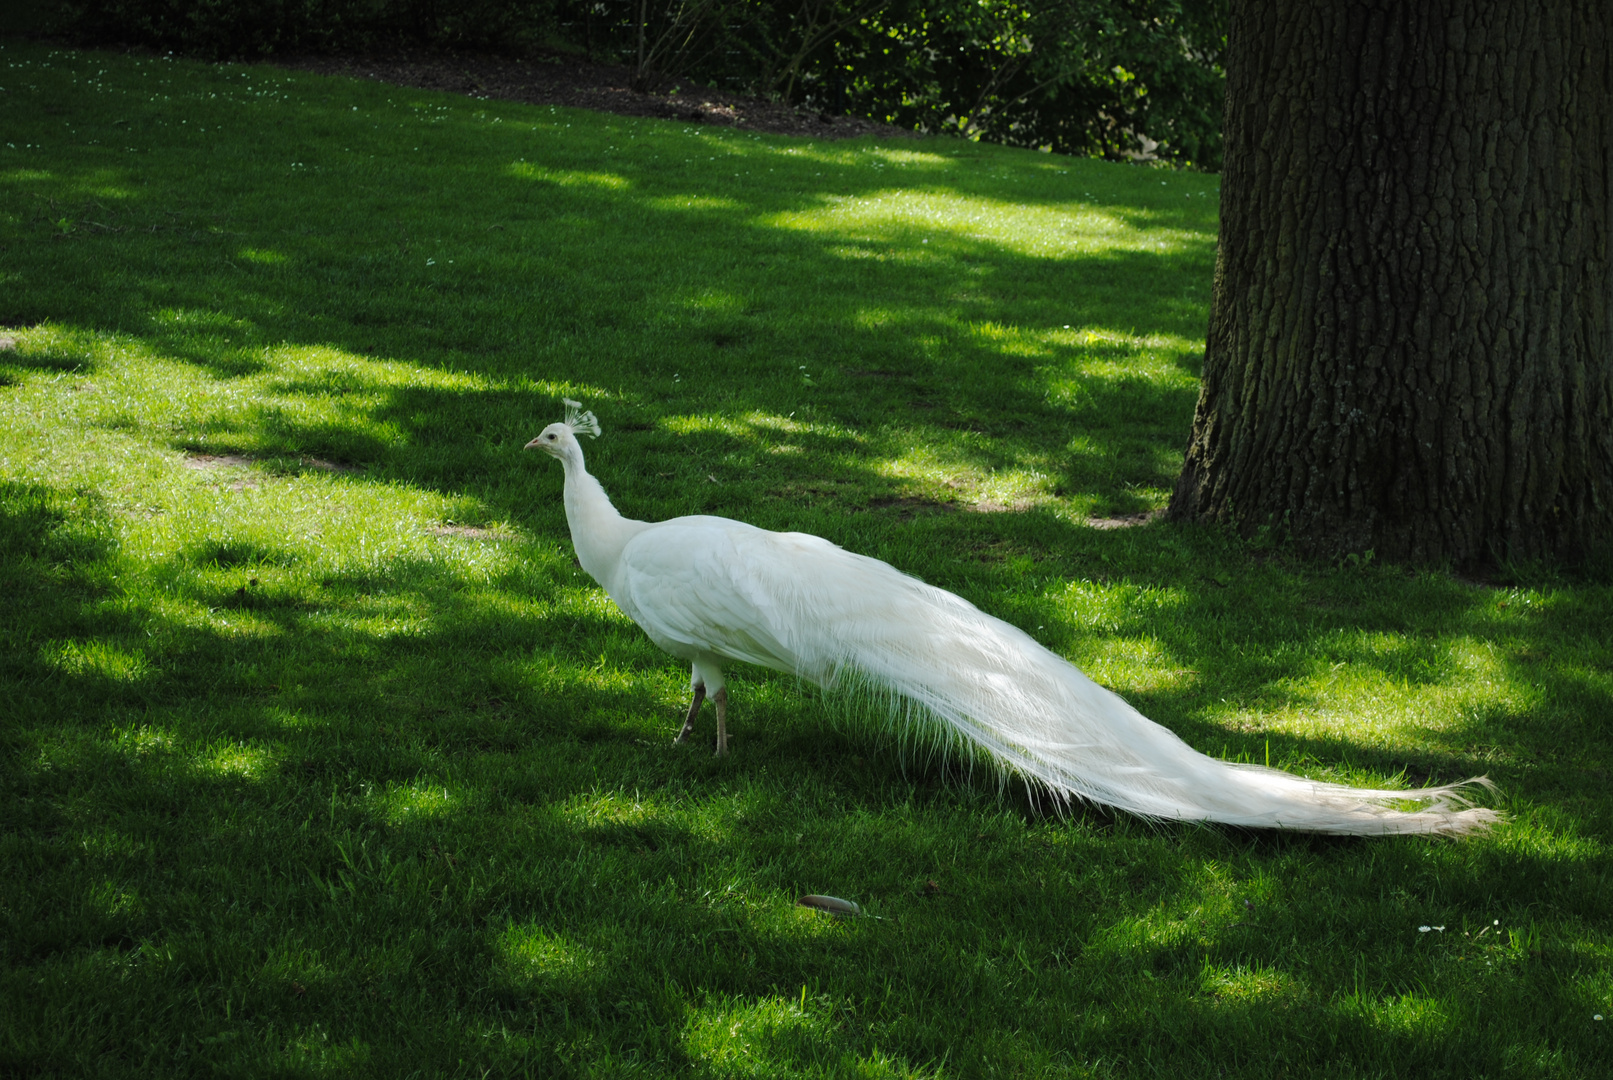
x=948 y=667
x=1198 y=789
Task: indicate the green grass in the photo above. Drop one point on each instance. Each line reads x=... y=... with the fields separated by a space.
x=320 y=756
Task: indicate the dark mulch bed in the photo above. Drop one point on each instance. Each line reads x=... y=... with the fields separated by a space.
x=557 y=79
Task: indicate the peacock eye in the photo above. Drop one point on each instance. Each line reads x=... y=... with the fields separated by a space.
x=551 y=438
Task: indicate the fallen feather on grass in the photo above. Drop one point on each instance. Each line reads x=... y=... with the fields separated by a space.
x=830 y=905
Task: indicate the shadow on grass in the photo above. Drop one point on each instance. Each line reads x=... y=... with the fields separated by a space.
x=472 y=841
x=443 y=812
x=600 y=276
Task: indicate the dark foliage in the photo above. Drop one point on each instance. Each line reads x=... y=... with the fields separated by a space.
x=240 y=29
x=1117 y=78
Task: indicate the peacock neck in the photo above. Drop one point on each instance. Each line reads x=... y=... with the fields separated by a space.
x=598 y=532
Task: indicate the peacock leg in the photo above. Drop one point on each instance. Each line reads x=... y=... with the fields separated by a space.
x=694 y=710
x=720 y=699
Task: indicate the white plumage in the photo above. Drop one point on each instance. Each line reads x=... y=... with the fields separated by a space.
x=711 y=590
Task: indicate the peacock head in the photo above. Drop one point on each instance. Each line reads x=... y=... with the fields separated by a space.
x=560 y=440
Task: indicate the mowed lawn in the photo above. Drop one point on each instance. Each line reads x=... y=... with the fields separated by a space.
x=319 y=755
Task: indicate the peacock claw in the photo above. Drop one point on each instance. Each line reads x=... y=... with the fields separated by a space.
x=694 y=710
x=720 y=700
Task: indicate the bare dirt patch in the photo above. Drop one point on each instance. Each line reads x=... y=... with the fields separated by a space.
x=469 y=532
x=210 y=462
x=992 y=506
x=907 y=507
x=560 y=79
x=329 y=466
x=206 y=462
x=218 y=461
x=1126 y=521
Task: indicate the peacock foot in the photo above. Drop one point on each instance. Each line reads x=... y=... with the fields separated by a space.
x=694 y=710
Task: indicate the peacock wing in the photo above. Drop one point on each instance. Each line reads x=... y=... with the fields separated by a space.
x=719 y=587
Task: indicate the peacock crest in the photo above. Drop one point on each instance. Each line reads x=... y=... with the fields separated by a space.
x=579 y=421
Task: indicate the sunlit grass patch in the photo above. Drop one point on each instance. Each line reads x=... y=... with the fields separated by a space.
x=533 y=953
x=416 y=801
x=1410 y=1016
x=1240 y=987
x=694 y=201
x=610 y=807
x=246 y=762
x=609 y=181
x=96 y=658
x=322 y=754
x=745 y=1038
x=926 y=217
x=1132 y=665
x=146 y=741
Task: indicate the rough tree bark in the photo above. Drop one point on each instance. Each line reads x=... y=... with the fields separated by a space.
x=1410 y=348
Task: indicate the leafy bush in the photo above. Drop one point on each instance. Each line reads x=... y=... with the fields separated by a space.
x=1081 y=77
x=1102 y=77
x=1117 y=78
x=221 y=29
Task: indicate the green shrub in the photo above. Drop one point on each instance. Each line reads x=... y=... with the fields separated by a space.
x=220 y=29
x=1088 y=77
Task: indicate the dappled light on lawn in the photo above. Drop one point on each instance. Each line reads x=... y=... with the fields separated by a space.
x=609 y=181
x=246 y=762
x=936 y=218
x=322 y=755
x=536 y=957
x=412 y=802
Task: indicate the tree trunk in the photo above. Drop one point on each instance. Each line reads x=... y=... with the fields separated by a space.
x=1410 y=348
